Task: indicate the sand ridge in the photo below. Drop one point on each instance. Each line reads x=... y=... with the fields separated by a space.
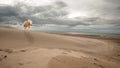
x=25 y=49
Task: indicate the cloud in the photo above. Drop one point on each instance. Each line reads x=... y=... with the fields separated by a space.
x=60 y=4
x=22 y=11
x=53 y=16
x=54 y=13
x=7 y=11
x=114 y=1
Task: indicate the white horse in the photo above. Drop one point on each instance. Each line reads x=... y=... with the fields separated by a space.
x=27 y=24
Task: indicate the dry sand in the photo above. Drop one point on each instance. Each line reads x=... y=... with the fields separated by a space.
x=25 y=49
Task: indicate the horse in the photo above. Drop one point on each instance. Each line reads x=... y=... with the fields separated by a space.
x=27 y=24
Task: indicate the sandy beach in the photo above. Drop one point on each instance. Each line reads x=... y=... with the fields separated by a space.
x=26 y=49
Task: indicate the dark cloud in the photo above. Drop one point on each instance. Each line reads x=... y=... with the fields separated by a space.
x=114 y=1
x=48 y=14
x=118 y=8
x=7 y=11
x=92 y=19
x=60 y=4
x=21 y=11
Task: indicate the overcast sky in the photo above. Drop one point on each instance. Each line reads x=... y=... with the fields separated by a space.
x=89 y=16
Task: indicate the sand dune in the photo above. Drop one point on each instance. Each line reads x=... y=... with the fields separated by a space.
x=25 y=49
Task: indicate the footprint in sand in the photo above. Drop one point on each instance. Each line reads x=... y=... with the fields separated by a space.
x=64 y=53
x=3 y=57
x=23 y=50
x=7 y=50
x=20 y=63
x=98 y=65
x=96 y=59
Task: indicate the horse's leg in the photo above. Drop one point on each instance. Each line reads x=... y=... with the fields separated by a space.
x=28 y=26
x=25 y=27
